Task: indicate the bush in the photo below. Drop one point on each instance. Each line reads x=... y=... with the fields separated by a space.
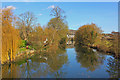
x=23 y=43
x=30 y=47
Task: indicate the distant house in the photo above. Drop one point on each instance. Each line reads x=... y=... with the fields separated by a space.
x=46 y=40
x=107 y=36
x=115 y=33
x=71 y=33
x=70 y=36
x=110 y=36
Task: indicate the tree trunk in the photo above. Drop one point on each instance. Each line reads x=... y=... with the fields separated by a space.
x=11 y=55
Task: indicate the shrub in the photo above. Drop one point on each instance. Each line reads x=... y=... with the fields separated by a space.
x=23 y=43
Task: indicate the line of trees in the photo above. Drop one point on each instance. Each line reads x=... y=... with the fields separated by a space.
x=54 y=34
x=91 y=35
x=25 y=27
x=10 y=36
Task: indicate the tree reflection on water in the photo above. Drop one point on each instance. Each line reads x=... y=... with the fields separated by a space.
x=53 y=64
x=37 y=66
x=113 y=66
x=88 y=58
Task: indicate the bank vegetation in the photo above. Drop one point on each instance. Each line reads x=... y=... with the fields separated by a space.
x=22 y=35
x=92 y=36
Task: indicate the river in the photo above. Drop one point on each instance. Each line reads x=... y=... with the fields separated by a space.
x=75 y=62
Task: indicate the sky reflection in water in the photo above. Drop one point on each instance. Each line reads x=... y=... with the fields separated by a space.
x=78 y=62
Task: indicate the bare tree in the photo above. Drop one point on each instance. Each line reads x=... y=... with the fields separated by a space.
x=25 y=23
x=58 y=13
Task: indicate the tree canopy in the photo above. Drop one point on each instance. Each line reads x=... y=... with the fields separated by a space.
x=87 y=34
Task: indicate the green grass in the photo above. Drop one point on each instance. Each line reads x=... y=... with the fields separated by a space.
x=23 y=49
x=23 y=46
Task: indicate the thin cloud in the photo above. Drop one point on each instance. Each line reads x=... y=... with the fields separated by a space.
x=52 y=6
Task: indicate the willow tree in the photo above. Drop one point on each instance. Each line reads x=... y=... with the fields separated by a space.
x=10 y=36
x=88 y=34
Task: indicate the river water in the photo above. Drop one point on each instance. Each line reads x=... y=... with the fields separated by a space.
x=75 y=62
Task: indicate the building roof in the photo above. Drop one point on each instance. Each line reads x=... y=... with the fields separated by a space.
x=71 y=31
x=115 y=32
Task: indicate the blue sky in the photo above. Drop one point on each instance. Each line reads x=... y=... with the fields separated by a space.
x=103 y=14
x=59 y=0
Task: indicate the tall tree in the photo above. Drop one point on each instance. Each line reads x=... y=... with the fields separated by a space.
x=36 y=38
x=58 y=23
x=25 y=23
x=88 y=34
x=10 y=36
x=58 y=12
x=0 y=34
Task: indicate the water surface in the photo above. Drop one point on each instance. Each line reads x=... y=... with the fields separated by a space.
x=76 y=62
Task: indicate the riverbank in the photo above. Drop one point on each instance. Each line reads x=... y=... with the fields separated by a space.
x=25 y=54
x=67 y=62
x=104 y=49
x=21 y=56
x=98 y=48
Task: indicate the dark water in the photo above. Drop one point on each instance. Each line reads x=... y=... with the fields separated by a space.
x=78 y=62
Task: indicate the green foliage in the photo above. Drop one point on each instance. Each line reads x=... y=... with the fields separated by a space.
x=30 y=47
x=22 y=49
x=23 y=43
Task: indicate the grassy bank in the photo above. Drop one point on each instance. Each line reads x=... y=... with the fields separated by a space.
x=24 y=52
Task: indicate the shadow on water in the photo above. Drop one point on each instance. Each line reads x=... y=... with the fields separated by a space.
x=88 y=58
